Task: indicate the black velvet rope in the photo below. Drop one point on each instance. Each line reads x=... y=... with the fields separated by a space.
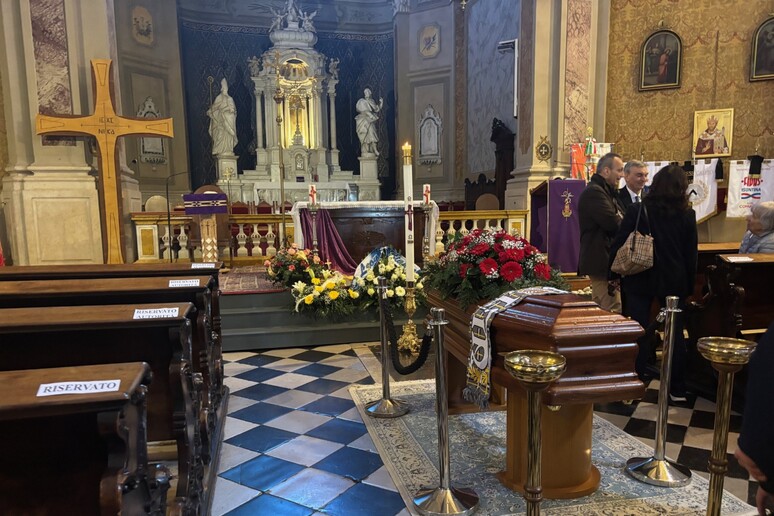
x=424 y=349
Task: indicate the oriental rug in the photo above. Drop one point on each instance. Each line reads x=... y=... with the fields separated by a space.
x=249 y=279
x=409 y=448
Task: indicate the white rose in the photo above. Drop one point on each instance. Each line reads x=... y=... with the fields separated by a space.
x=390 y=292
x=400 y=291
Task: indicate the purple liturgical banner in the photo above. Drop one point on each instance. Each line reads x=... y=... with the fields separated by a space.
x=205 y=204
x=563 y=235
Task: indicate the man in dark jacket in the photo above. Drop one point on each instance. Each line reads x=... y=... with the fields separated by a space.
x=635 y=177
x=599 y=215
x=756 y=447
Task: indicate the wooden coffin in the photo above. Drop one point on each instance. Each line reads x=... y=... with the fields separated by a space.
x=600 y=348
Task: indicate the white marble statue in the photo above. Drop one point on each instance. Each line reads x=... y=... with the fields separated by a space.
x=333 y=68
x=365 y=123
x=306 y=21
x=254 y=65
x=222 y=115
x=292 y=15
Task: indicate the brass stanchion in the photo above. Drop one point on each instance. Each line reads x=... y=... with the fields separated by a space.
x=727 y=356
x=535 y=370
x=387 y=406
x=658 y=470
x=444 y=499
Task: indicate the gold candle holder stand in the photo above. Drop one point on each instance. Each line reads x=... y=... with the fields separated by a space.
x=535 y=370
x=313 y=213
x=409 y=341
x=727 y=356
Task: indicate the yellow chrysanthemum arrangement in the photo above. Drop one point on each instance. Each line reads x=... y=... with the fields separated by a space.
x=324 y=294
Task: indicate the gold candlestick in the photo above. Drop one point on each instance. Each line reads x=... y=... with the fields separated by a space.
x=409 y=340
x=727 y=356
x=535 y=370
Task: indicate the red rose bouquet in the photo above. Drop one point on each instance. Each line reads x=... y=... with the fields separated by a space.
x=291 y=265
x=485 y=263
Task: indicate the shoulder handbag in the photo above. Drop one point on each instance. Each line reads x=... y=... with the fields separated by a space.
x=636 y=254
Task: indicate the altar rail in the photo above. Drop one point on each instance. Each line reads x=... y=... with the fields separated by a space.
x=255 y=237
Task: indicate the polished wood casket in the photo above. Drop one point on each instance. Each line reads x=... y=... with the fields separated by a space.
x=600 y=348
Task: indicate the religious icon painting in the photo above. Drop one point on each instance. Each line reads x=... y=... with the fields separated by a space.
x=713 y=133
x=430 y=41
x=661 y=61
x=762 y=56
x=142 y=26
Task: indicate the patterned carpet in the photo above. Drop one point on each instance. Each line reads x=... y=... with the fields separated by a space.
x=250 y=279
x=408 y=446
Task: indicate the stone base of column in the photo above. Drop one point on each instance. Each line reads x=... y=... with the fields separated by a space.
x=52 y=216
x=523 y=181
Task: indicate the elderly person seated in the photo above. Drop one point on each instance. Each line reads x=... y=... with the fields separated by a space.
x=760 y=230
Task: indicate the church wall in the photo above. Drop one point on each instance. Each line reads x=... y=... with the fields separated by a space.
x=149 y=65
x=715 y=74
x=4 y=243
x=490 y=77
x=219 y=50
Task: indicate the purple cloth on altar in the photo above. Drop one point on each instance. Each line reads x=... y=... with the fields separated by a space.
x=205 y=204
x=329 y=243
x=563 y=245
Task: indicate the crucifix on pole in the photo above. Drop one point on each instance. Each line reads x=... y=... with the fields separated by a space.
x=106 y=126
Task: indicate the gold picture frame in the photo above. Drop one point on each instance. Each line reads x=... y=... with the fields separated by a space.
x=762 y=53
x=661 y=58
x=713 y=133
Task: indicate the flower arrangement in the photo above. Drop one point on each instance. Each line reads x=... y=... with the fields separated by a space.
x=292 y=265
x=390 y=264
x=485 y=263
x=327 y=294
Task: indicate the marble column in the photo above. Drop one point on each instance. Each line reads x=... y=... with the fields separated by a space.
x=50 y=196
x=562 y=70
x=334 y=165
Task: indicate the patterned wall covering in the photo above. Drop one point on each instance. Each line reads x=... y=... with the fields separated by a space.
x=222 y=51
x=490 y=77
x=715 y=71
x=576 y=78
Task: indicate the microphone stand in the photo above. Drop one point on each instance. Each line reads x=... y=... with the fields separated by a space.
x=169 y=212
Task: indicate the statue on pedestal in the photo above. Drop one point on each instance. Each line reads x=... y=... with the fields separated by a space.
x=367 y=115
x=222 y=115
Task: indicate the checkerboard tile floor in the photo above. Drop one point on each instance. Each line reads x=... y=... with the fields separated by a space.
x=294 y=443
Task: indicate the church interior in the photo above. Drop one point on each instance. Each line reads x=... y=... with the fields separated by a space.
x=200 y=201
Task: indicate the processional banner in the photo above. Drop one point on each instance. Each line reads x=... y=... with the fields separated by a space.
x=745 y=190
x=704 y=194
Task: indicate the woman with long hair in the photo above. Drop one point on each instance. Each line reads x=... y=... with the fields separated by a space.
x=667 y=217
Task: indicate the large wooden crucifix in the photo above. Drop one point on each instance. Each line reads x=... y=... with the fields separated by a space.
x=106 y=126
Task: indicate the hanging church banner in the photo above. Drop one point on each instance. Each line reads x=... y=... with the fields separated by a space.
x=703 y=190
x=745 y=190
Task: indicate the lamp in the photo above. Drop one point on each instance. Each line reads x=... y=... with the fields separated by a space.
x=169 y=211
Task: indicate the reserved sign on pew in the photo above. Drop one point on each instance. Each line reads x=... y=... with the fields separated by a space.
x=184 y=283
x=59 y=388
x=156 y=313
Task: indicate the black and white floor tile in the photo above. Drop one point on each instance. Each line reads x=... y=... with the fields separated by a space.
x=295 y=444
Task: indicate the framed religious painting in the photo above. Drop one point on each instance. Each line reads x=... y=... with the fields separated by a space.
x=661 y=61
x=713 y=133
x=762 y=55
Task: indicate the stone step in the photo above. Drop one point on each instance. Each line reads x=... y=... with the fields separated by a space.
x=274 y=337
x=269 y=299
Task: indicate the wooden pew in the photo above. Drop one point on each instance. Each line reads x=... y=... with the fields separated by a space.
x=158 y=334
x=138 y=270
x=736 y=302
x=77 y=452
x=199 y=290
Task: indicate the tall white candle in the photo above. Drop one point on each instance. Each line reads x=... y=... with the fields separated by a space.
x=408 y=197
x=312 y=194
